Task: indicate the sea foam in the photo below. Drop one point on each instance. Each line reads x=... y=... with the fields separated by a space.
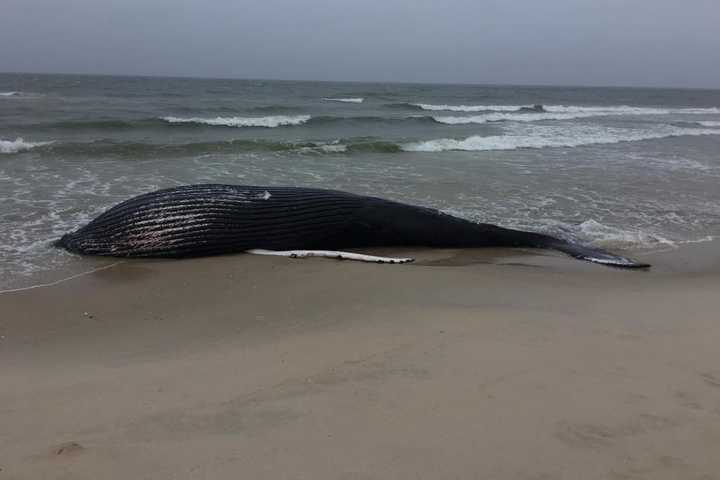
x=335 y=147
x=267 y=122
x=603 y=235
x=19 y=145
x=606 y=236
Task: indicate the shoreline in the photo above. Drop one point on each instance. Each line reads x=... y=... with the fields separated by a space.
x=489 y=364
x=688 y=257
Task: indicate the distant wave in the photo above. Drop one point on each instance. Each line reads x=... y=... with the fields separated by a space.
x=402 y=106
x=19 y=145
x=628 y=110
x=283 y=120
x=21 y=95
x=515 y=117
x=568 y=109
x=467 y=108
x=697 y=111
x=699 y=124
x=267 y=122
x=345 y=100
x=552 y=137
x=564 y=113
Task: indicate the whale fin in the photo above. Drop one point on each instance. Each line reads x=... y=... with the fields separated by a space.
x=595 y=255
x=330 y=254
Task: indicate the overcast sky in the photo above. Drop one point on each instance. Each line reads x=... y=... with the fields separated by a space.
x=566 y=42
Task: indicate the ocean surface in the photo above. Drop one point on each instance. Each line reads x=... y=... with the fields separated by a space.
x=624 y=168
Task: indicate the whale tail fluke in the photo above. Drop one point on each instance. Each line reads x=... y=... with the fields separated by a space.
x=595 y=255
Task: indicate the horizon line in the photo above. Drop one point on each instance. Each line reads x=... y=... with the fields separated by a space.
x=392 y=82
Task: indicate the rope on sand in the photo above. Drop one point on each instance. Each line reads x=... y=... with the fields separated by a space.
x=62 y=280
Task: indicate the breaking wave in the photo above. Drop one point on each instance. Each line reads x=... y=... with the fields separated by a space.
x=522 y=137
x=8 y=94
x=543 y=137
x=345 y=100
x=515 y=117
x=273 y=121
x=19 y=145
x=266 y=122
x=327 y=120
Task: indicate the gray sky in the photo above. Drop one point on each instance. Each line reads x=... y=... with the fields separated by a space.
x=579 y=42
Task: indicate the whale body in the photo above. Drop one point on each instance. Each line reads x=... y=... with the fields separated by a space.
x=212 y=219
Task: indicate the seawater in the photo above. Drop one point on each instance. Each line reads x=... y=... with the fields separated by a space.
x=622 y=168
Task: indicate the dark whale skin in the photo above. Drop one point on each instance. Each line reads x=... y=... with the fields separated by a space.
x=212 y=219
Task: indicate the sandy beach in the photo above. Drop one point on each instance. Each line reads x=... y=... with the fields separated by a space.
x=144 y=144
x=492 y=364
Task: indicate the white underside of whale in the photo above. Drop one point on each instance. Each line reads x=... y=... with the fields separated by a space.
x=359 y=257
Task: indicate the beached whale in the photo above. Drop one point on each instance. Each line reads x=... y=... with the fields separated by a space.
x=199 y=220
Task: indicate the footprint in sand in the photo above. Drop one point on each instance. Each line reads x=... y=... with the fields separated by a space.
x=587 y=435
x=68 y=449
x=711 y=379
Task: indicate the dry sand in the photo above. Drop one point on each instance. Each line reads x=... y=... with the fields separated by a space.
x=488 y=365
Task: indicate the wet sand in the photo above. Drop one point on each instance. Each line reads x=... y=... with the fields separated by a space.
x=483 y=364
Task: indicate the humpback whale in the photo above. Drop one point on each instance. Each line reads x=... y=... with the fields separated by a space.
x=212 y=219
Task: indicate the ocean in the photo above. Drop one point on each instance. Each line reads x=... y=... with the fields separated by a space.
x=628 y=169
